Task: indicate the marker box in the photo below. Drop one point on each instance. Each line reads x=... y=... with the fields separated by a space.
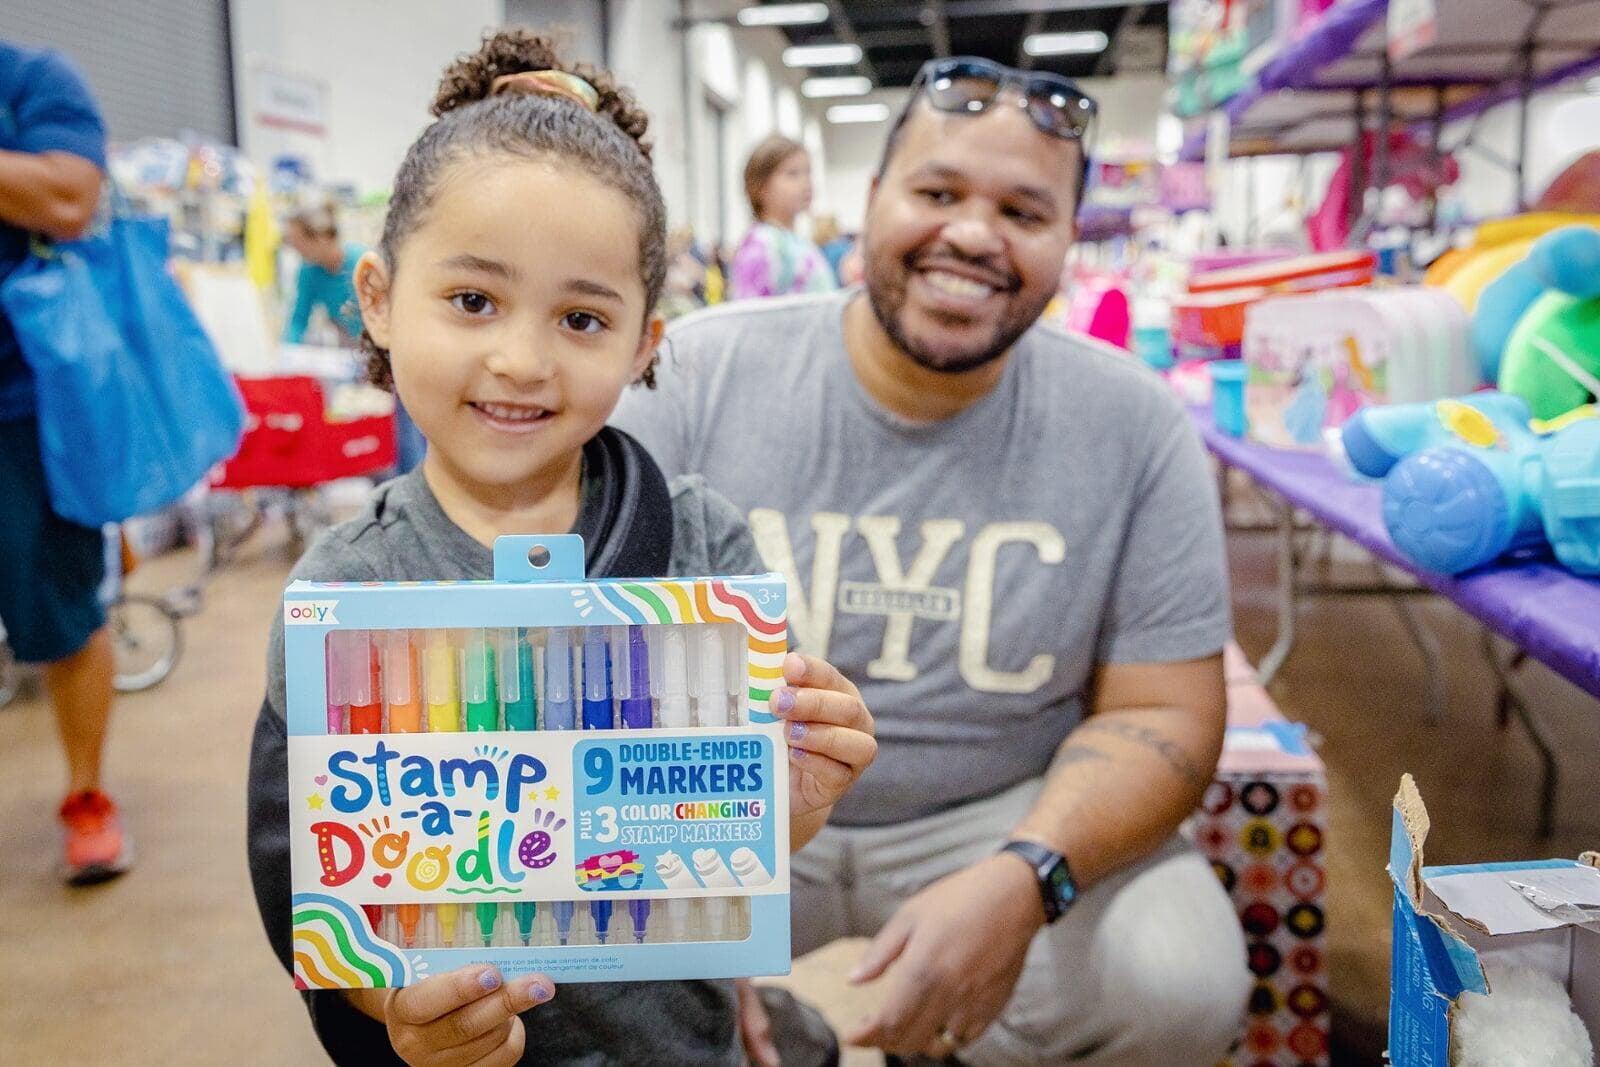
x=543 y=772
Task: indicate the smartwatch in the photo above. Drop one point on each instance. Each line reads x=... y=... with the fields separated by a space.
x=1056 y=887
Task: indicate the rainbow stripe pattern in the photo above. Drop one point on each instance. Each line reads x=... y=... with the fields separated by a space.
x=642 y=603
x=334 y=948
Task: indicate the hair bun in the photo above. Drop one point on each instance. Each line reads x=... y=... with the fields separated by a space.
x=471 y=79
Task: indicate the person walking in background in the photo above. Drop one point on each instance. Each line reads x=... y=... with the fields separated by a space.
x=324 y=281
x=327 y=270
x=52 y=163
x=774 y=260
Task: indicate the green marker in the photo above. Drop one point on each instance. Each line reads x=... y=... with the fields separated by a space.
x=521 y=699
x=516 y=680
x=478 y=683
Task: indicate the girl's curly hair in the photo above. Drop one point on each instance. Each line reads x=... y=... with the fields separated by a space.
x=608 y=143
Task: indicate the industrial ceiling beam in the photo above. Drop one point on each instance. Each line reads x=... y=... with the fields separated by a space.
x=845 y=33
x=1035 y=24
x=1130 y=15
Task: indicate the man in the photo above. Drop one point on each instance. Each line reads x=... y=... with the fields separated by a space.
x=1008 y=538
x=52 y=155
x=327 y=270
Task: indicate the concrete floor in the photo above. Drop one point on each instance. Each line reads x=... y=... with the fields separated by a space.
x=169 y=965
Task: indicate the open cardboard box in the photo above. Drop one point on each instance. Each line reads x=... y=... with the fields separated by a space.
x=1449 y=920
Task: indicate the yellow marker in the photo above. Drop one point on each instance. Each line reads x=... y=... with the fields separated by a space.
x=440 y=666
x=444 y=691
x=446 y=914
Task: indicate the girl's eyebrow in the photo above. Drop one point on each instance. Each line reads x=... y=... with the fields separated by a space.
x=479 y=265
x=592 y=288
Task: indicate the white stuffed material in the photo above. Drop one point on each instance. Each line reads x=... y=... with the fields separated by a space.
x=1525 y=1021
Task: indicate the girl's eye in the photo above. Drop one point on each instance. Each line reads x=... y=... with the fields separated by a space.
x=471 y=303
x=583 y=322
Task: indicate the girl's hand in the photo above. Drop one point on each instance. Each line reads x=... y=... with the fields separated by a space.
x=461 y=1017
x=829 y=733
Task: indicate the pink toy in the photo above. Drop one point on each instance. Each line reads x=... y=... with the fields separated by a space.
x=1102 y=312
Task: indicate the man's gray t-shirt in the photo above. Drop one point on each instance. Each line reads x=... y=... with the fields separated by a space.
x=967 y=574
x=402 y=534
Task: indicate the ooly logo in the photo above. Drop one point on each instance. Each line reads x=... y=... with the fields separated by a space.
x=310 y=613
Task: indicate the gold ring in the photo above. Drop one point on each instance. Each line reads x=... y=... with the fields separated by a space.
x=951 y=1041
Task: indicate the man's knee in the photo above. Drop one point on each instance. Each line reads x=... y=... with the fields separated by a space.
x=1178 y=980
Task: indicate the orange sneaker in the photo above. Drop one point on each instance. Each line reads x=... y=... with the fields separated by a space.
x=96 y=849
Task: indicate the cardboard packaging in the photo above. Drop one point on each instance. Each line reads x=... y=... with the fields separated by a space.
x=542 y=772
x=1449 y=920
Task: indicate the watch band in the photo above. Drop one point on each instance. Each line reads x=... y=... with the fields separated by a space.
x=1057 y=890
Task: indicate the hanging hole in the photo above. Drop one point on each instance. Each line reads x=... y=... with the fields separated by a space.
x=538 y=557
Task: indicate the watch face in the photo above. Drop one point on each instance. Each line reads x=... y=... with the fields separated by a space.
x=1061 y=886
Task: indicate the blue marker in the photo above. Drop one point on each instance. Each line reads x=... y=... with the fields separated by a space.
x=636 y=682
x=639 y=912
x=597 y=713
x=559 y=712
x=562 y=910
x=600 y=911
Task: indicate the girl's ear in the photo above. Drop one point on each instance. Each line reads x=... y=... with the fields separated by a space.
x=372 y=290
x=649 y=341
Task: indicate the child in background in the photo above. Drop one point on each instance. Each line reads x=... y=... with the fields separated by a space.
x=509 y=303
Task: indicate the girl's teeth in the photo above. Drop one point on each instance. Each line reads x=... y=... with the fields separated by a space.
x=511 y=414
x=956 y=285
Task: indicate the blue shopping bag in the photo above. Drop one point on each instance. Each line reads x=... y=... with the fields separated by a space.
x=134 y=406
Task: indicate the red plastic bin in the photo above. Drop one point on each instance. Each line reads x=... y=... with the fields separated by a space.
x=290 y=442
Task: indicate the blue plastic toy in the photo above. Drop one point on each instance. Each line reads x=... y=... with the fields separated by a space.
x=1469 y=479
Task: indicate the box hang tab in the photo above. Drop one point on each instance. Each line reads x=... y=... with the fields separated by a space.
x=538 y=558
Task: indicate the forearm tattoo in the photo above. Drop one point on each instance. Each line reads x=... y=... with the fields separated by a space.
x=1169 y=750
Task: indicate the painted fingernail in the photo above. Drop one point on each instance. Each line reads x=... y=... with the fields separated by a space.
x=489 y=979
x=538 y=992
x=784 y=701
x=797 y=730
x=797 y=753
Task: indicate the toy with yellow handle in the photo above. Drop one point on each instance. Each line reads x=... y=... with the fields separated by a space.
x=1467 y=480
x=1545 y=314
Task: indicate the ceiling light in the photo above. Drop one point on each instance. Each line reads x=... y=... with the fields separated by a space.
x=822 y=55
x=840 y=114
x=850 y=85
x=783 y=15
x=1082 y=43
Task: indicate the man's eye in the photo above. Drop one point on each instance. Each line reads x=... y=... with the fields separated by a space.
x=1027 y=218
x=472 y=303
x=583 y=322
x=939 y=196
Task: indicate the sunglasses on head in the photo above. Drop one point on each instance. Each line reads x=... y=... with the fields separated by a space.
x=970 y=85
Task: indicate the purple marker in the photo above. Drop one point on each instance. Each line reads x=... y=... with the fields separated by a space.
x=636 y=679
x=639 y=912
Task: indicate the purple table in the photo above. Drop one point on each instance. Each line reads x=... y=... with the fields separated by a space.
x=1548 y=612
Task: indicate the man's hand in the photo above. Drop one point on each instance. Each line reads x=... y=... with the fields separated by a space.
x=53 y=193
x=466 y=1016
x=957 y=949
x=829 y=734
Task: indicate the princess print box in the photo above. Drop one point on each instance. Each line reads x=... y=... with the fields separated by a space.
x=540 y=772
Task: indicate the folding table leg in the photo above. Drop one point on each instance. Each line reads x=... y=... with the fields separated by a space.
x=1427 y=644
x=1273 y=660
x=1550 y=778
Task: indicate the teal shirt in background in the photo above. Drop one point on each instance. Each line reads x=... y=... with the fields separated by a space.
x=334 y=292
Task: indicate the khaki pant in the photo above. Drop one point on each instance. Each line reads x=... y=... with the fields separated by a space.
x=1147 y=969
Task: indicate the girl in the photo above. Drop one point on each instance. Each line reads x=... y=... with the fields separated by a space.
x=509 y=302
x=774 y=260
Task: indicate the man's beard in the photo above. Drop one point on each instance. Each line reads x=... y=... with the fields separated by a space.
x=886 y=292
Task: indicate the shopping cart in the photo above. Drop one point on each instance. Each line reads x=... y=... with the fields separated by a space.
x=292 y=445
